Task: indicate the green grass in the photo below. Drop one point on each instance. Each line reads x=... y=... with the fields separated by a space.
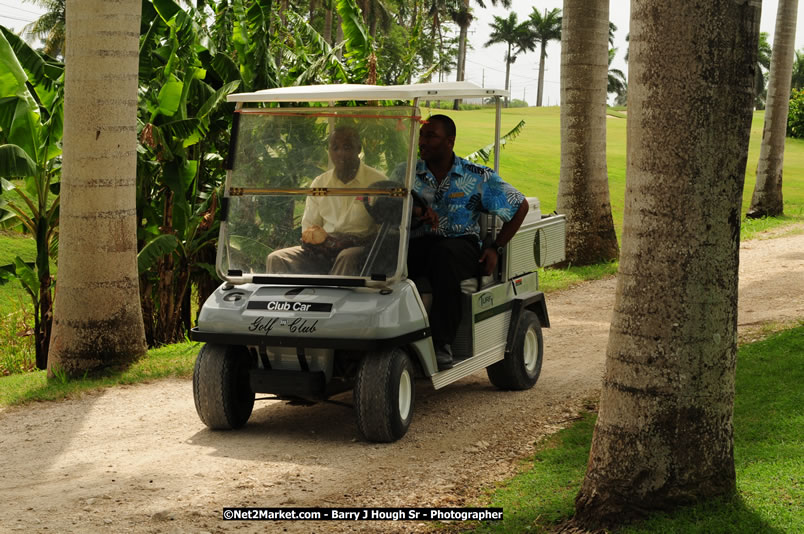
x=769 y=459
x=16 y=309
x=755 y=228
x=164 y=362
x=557 y=279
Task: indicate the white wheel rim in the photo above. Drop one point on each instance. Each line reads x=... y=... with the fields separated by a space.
x=530 y=351
x=405 y=394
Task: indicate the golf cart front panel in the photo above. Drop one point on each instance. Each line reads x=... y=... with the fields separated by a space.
x=316 y=317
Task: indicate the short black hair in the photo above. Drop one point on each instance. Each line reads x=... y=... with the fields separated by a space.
x=446 y=122
x=349 y=132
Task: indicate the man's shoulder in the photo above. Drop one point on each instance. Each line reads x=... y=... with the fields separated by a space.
x=464 y=166
x=323 y=179
x=374 y=173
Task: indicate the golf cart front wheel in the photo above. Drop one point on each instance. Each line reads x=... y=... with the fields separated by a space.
x=221 y=388
x=384 y=395
x=521 y=367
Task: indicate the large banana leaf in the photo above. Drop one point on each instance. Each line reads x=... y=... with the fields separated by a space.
x=24 y=272
x=15 y=162
x=23 y=127
x=155 y=249
x=42 y=74
x=169 y=97
x=354 y=30
x=216 y=99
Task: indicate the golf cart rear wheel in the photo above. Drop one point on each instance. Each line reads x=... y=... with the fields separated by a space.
x=384 y=395
x=521 y=367
x=221 y=387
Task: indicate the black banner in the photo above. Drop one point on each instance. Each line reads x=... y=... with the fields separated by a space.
x=362 y=514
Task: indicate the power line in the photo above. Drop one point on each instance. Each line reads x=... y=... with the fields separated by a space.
x=20 y=9
x=15 y=18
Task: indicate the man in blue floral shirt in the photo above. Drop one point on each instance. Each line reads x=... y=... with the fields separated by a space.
x=447 y=249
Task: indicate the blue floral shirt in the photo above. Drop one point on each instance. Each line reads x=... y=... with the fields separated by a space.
x=467 y=191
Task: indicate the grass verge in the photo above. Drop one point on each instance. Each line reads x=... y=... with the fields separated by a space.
x=769 y=459
x=170 y=361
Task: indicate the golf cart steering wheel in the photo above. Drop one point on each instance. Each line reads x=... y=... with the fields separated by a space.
x=383 y=209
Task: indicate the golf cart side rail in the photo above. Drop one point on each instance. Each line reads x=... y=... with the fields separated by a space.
x=362 y=345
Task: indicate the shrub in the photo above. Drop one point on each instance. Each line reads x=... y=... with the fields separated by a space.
x=795 y=117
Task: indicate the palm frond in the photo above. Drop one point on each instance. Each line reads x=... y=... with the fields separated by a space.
x=483 y=154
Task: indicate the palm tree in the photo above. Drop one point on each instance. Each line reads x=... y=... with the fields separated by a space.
x=664 y=433
x=97 y=318
x=461 y=13
x=583 y=189
x=767 y=198
x=518 y=37
x=50 y=26
x=763 y=66
x=546 y=28
x=617 y=83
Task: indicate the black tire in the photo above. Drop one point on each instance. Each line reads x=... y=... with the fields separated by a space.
x=384 y=395
x=521 y=368
x=221 y=387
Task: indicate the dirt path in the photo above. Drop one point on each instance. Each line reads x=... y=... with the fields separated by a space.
x=137 y=459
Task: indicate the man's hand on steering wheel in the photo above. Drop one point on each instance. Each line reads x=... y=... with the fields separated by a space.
x=427 y=216
x=422 y=212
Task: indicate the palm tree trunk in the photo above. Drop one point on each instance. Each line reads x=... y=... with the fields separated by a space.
x=328 y=24
x=98 y=319
x=767 y=198
x=459 y=77
x=507 y=74
x=664 y=433
x=583 y=190
x=339 y=36
x=542 y=59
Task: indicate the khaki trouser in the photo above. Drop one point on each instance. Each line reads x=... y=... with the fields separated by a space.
x=298 y=260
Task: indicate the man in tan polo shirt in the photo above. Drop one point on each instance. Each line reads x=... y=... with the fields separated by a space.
x=335 y=229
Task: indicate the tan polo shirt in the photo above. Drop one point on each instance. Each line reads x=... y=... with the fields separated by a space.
x=342 y=214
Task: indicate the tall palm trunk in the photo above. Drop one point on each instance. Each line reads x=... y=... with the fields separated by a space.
x=767 y=197
x=664 y=433
x=463 y=24
x=328 y=24
x=542 y=59
x=583 y=189
x=508 y=74
x=98 y=320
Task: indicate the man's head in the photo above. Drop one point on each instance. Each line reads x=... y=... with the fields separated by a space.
x=344 y=150
x=437 y=138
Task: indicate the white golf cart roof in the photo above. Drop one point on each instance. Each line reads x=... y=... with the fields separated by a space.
x=325 y=93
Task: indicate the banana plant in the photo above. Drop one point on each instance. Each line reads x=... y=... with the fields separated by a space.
x=183 y=125
x=31 y=115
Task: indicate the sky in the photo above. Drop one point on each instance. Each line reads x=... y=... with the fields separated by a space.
x=486 y=66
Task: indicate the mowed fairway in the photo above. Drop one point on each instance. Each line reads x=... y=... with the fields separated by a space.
x=533 y=160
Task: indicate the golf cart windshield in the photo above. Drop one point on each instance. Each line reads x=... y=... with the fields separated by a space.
x=317 y=192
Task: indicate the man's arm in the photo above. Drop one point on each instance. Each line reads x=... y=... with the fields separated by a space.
x=489 y=256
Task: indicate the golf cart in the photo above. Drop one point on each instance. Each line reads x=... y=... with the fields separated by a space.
x=305 y=334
